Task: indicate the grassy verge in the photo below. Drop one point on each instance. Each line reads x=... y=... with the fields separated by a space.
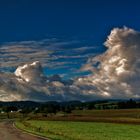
x=25 y=126
x=64 y=130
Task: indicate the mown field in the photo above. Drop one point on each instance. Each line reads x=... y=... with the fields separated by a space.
x=65 y=130
x=116 y=116
x=130 y=116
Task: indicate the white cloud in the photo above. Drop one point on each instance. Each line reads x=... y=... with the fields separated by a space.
x=118 y=74
x=114 y=74
x=52 y=53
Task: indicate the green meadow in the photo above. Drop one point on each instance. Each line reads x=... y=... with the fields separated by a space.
x=69 y=130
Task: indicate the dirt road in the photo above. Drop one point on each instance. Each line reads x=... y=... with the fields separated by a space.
x=8 y=132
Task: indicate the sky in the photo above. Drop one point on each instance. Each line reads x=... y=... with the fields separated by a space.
x=79 y=23
x=65 y=19
x=93 y=45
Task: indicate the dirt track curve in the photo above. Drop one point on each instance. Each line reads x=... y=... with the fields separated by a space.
x=8 y=132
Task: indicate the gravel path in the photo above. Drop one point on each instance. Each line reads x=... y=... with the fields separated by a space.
x=8 y=132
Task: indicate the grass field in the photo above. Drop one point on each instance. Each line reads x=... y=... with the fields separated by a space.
x=64 y=130
x=71 y=127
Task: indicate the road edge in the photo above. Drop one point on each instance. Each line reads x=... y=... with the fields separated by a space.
x=29 y=133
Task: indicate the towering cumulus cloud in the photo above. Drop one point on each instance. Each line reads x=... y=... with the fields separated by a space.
x=118 y=72
x=114 y=74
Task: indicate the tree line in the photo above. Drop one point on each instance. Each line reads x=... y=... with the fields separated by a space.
x=52 y=107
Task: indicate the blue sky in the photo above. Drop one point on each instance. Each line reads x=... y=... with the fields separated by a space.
x=75 y=30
